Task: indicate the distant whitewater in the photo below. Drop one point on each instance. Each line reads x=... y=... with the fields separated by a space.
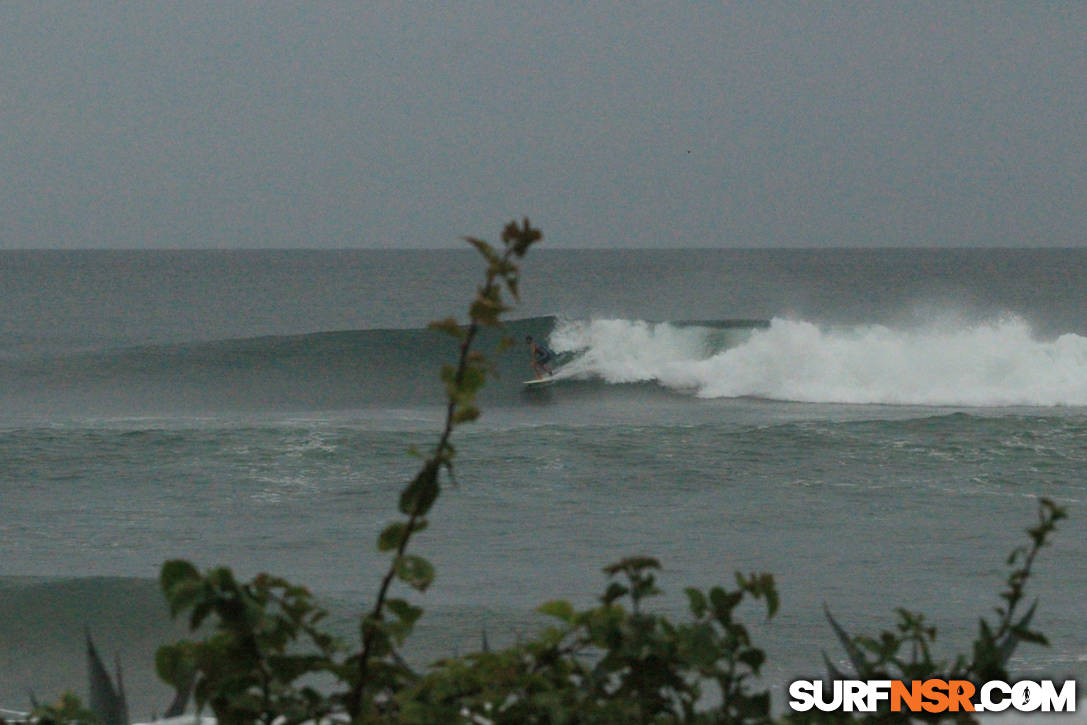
x=999 y=363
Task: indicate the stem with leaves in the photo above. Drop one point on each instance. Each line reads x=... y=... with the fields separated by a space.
x=995 y=645
x=462 y=382
x=882 y=657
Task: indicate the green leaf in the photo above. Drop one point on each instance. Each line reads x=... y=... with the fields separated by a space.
x=1032 y=636
x=419 y=495
x=175 y=665
x=510 y=232
x=613 y=592
x=753 y=658
x=200 y=613
x=448 y=326
x=723 y=603
x=772 y=602
x=761 y=585
x=856 y=657
x=632 y=565
x=558 y=608
x=288 y=668
x=389 y=539
x=985 y=633
x=512 y=286
x=471 y=380
x=185 y=595
x=702 y=647
x=407 y=615
x=697 y=601
x=376 y=631
x=415 y=571
x=484 y=248
x=222 y=578
x=466 y=414
x=520 y=238
x=175 y=572
x=404 y=612
x=486 y=310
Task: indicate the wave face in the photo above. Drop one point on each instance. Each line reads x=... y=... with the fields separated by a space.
x=997 y=363
x=327 y=370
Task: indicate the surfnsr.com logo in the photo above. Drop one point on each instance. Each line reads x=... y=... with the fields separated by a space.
x=932 y=696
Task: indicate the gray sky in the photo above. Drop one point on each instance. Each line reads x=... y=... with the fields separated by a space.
x=661 y=124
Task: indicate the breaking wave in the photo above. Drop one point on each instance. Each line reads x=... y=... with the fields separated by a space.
x=996 y=363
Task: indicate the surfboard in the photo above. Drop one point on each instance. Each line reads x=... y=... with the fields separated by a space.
x=539 y=382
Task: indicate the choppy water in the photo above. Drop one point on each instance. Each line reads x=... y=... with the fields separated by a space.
x=874 y=427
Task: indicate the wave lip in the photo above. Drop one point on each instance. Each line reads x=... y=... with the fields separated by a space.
x=991 y=364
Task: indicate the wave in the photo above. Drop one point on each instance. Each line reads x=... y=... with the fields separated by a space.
x=317 y=371
x=995 y=363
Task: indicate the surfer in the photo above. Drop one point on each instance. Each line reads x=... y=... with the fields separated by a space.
x=540 y=356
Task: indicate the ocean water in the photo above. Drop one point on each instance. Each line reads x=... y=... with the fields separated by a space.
x=874 y=427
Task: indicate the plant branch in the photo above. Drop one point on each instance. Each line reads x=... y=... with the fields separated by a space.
x=488 y=293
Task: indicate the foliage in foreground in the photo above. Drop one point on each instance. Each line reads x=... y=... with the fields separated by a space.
x=268 y=660
x=613 y=663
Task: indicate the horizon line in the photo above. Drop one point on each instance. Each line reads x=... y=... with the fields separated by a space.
x=558 y=249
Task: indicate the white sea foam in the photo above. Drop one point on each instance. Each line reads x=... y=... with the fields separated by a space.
x=994 y=363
